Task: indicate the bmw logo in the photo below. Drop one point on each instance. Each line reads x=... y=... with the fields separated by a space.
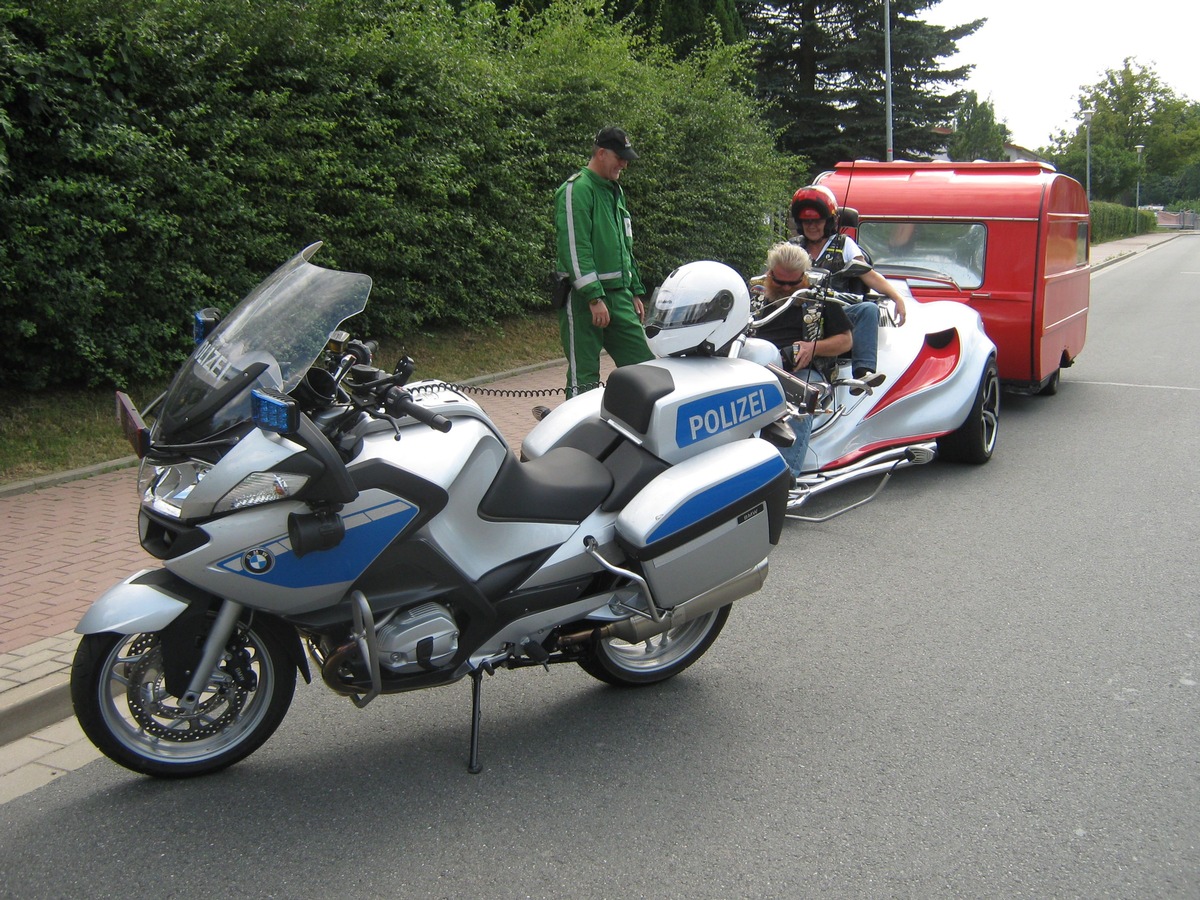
x=258 y=561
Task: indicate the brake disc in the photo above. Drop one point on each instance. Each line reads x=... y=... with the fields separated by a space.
x=156 y=711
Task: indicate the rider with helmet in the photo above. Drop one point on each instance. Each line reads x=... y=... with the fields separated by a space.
x=814 y=211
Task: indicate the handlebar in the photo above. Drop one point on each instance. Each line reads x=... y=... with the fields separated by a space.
x=399 y=402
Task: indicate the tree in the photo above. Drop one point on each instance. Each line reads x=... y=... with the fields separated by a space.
x=683 y=25
x=821 y=67
x=977 y=134
x=1131 y=106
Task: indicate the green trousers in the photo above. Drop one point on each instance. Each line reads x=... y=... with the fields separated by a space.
x=624 y=338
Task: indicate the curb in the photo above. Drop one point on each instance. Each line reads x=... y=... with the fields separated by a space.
x=33 y=706
x=1104 y=263
x=44 y=481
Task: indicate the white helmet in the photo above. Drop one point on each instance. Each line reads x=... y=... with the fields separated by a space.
x=700 y=308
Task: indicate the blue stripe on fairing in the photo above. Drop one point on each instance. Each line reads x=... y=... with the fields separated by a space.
x=718 y=497
x=368 y=531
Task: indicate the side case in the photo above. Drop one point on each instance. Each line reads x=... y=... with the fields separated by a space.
x=680 y=408
x=706 y=520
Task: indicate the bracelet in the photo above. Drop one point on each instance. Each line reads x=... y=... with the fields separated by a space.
x=594 y=302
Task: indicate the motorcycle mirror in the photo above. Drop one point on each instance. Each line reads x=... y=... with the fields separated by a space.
x=404 y=369
x=856 y=269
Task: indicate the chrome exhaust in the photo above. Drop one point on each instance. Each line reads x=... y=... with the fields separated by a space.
x=638 y=629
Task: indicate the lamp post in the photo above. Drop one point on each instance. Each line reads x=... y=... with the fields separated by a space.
x=1087 y=123
x=887 y=74
x=1138 y=201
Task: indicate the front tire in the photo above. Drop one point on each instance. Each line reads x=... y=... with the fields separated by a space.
x=975 y=440
x=663 y=656
x=121 y=702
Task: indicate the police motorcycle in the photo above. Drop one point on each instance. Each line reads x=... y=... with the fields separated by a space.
x=299 y=498
x=940 y=396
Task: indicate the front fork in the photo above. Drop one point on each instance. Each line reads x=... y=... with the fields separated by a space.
x=214 y=649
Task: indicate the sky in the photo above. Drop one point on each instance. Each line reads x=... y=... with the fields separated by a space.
x=1032 y=56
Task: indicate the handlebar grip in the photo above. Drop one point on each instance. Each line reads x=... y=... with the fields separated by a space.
x=400 y=402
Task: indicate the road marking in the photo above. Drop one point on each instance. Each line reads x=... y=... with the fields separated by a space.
x=1156 y=387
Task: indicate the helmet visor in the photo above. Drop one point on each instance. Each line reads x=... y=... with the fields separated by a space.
x=668 y=309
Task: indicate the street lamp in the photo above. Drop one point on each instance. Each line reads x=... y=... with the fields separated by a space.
x=887 y=76
x=1138 y=201
x=1087 y=122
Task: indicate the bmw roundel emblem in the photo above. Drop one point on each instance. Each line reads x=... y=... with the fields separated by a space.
x=258 y=561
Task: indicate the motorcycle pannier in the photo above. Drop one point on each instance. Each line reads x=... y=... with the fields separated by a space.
x=706 y=520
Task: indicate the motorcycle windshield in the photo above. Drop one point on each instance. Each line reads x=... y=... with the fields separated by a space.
x=270 y=339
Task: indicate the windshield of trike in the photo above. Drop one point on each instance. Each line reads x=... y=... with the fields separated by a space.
x=270 y=339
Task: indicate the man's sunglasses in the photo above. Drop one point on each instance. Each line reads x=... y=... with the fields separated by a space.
x=783 y=283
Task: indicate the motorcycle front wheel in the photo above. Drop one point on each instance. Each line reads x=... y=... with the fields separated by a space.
x=121 y=702
x=656 y=659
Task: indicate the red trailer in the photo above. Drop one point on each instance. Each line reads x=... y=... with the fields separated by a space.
x=1008 y=239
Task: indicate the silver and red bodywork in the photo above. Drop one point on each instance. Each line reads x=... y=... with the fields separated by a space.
x=934 y=364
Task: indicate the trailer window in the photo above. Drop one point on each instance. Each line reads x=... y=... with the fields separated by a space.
x=952 y=249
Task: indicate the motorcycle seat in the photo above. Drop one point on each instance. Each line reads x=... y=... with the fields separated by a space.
x=564 y=485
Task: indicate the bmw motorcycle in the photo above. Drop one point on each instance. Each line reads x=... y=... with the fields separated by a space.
x=305 y=505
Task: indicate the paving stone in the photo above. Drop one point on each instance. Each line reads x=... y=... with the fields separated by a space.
x=73 y=756
x=24 y=750
x=25 y=779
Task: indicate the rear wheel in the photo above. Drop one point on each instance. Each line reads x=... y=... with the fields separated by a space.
x=121 y=702
x=975 y=440
x=661 y=657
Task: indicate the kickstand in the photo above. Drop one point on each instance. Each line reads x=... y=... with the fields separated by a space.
x=473 y=765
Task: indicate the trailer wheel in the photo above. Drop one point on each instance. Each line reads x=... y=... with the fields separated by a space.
x=1051 y=386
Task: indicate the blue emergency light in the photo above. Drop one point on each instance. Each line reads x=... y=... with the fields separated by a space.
x=273 y=410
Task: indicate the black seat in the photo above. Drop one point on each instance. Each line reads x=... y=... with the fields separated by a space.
x=565 y=485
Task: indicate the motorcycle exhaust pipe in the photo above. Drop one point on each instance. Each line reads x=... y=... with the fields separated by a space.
x=638 y=629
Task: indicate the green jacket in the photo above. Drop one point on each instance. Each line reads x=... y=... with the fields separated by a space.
x=595 y=236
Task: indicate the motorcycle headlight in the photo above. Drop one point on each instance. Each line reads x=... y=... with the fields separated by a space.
x=164 y=488
x=259 y=488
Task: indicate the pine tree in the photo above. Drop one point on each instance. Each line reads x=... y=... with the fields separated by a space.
x=821 y=66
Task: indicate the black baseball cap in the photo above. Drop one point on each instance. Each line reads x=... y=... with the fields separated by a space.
x=617 y=141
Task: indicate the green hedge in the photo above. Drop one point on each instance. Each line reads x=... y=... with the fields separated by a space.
x=1111 y=221
x=158 y=156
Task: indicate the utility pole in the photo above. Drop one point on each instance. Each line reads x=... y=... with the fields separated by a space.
x=887 y=71
x=1138 y=202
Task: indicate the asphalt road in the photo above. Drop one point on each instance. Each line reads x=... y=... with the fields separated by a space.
x=983 y=684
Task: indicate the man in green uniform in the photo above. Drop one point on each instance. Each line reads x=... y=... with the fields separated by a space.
x=595 y=251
